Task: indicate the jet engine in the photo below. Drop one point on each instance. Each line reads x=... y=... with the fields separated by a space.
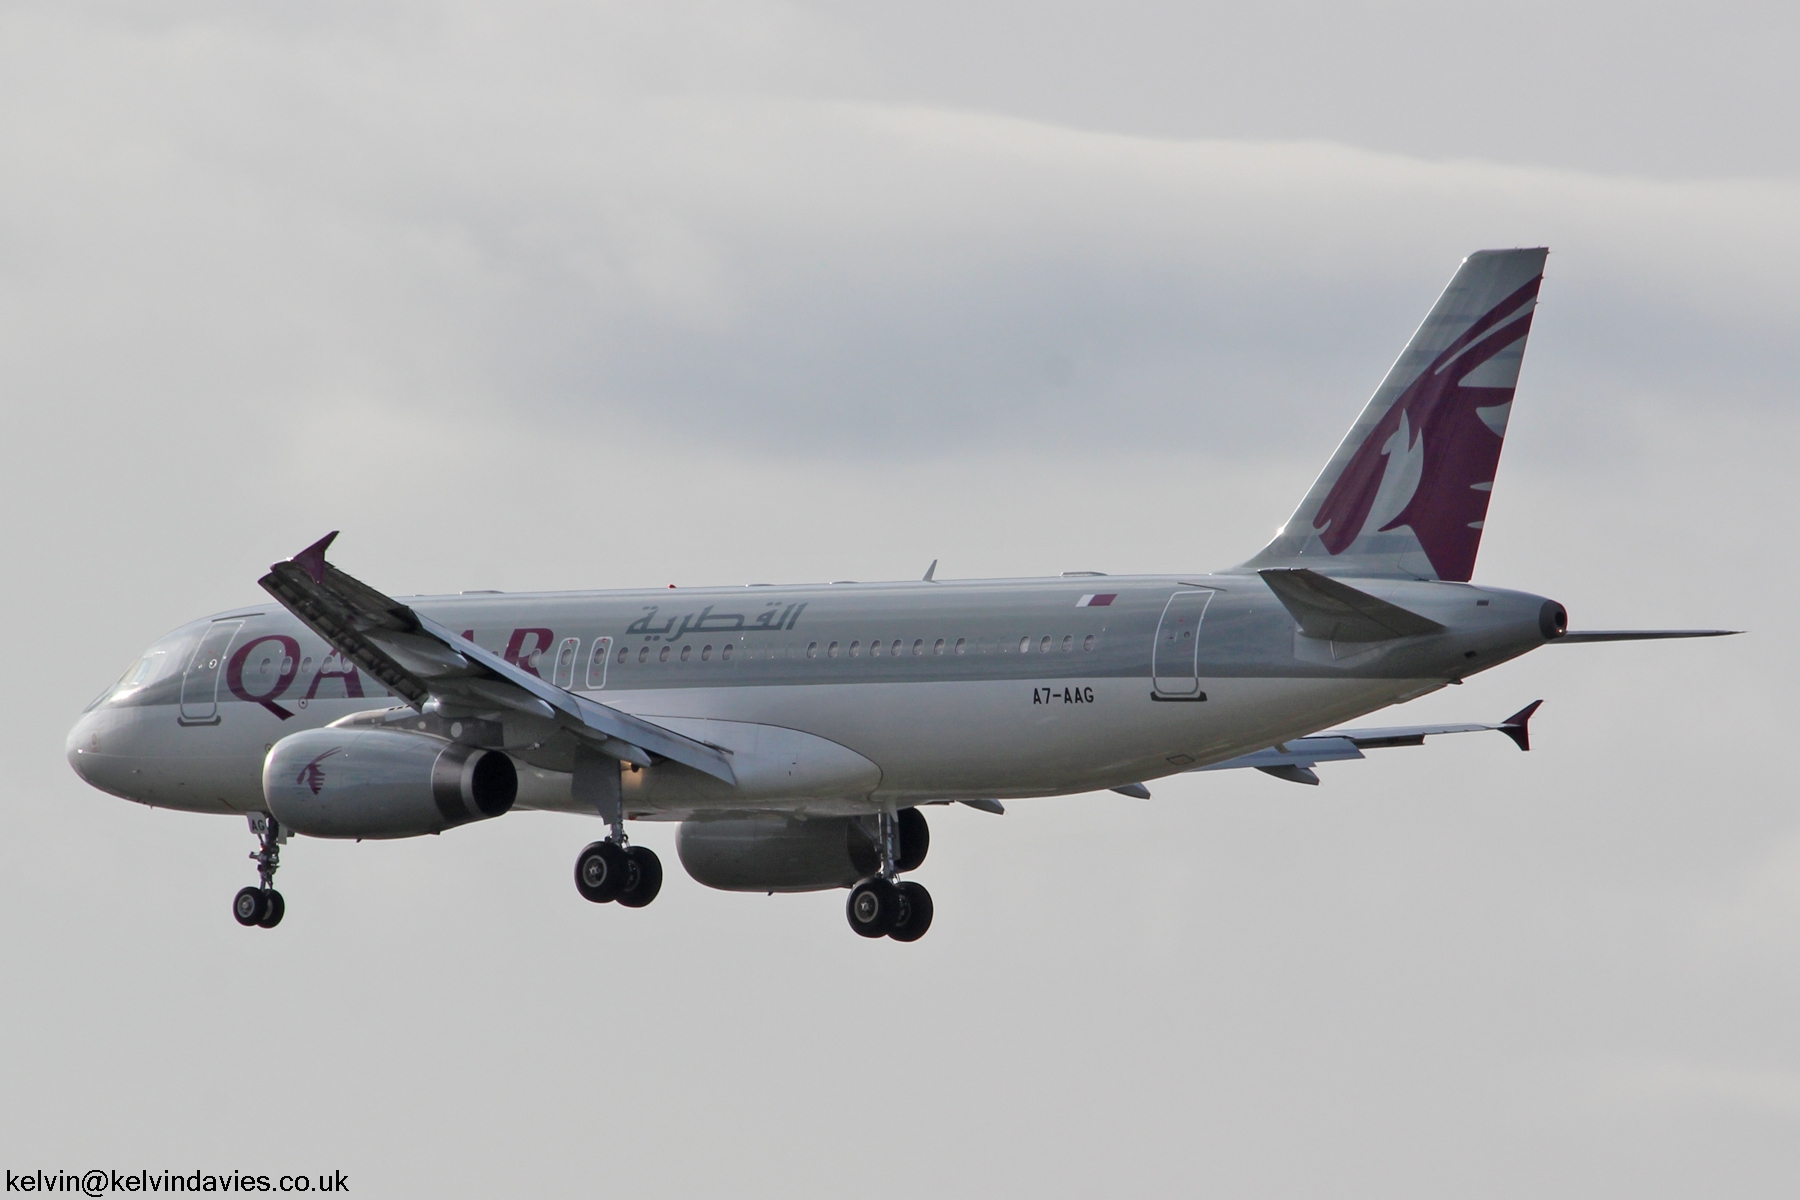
x=794 y=854
x=380 y=783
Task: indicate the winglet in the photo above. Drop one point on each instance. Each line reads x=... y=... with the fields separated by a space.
x=929 y=572
x=1518 y=726
x=312 y=559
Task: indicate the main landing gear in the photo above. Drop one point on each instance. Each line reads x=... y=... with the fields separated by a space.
x=263 y=905
x=612 y=869
x=881 y=906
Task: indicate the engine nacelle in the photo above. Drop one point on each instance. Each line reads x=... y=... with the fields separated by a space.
x=381 y=783
x=791 y=854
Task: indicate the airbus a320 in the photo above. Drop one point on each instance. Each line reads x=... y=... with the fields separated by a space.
x=797 y=734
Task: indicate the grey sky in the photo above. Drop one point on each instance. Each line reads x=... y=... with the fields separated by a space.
x=554 y=295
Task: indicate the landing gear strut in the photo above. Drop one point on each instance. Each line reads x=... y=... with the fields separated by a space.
x=263 y=905
x=612 y=869
x=881 y=906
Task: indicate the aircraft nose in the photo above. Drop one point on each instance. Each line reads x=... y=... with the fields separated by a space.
x=93 y=749
x=82 y=744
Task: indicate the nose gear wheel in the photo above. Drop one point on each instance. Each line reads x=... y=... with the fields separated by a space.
x=263 y=906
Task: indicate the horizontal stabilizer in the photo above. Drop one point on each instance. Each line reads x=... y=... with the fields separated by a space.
x=1642 y=635
x=1333 y=611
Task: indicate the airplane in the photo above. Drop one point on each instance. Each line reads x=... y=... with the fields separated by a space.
x=796 y=733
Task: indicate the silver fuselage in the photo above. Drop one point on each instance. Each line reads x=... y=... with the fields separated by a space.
x=837 y=698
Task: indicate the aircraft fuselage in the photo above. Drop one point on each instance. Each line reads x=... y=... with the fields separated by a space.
x=839 y=698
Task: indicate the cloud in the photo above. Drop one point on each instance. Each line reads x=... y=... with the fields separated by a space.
x=225 y=214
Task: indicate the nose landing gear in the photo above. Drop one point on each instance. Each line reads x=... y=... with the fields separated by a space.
x=881 y=906
x=263 y=905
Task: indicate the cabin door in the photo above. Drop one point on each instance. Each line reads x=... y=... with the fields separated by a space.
x=1175 y=658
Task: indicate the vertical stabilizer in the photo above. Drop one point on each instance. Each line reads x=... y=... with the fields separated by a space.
x=1407 y=492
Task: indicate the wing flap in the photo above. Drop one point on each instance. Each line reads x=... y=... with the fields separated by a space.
x=421 y=660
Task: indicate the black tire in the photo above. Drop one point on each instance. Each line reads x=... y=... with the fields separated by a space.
x=645 y=877
x=915 y=839
x=274 y=908
x=601 y=872
x=915 y=912
x=247 y=906
x=873 y=906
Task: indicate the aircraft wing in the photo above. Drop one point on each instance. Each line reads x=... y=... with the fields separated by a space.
x=423 y=661
x=1295 y=759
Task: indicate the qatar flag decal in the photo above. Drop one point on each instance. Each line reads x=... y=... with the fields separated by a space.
x=1100 y=600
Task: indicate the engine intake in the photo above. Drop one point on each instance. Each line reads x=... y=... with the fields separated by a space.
x=793 y=854
x=381 y=783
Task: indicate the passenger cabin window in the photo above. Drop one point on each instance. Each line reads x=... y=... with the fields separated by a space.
x=1087 y=643
x=643 y=654
x=598 y=657
x=1024 y=645
x=1068 y=642
x=812 y=649
x=705 y=653
x=895 y=648
x=875 y=649
x=685 y=651
x=855 y=649
x=725 y=652
x=939 y=648
x=962 y=645
x=663 y=654
x=831 y=650
x=563 y=675
x=1044 y=646
x=918 y=647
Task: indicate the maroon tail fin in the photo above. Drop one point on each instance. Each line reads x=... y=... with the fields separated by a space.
x=1406 y=494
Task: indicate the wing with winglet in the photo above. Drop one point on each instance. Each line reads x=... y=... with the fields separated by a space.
x=424 y=662
x=1294 y=760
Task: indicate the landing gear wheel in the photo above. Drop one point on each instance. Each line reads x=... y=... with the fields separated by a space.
x=915 y=912
x=873 y=907
x=262 y=905
x=602 y=872
x=247 y=906
x=644 y=877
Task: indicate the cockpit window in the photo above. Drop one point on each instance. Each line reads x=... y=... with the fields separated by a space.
x=165 y=660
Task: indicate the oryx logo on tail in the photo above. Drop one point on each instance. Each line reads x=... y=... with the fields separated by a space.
x=1429 y=462
x=1406 y=494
